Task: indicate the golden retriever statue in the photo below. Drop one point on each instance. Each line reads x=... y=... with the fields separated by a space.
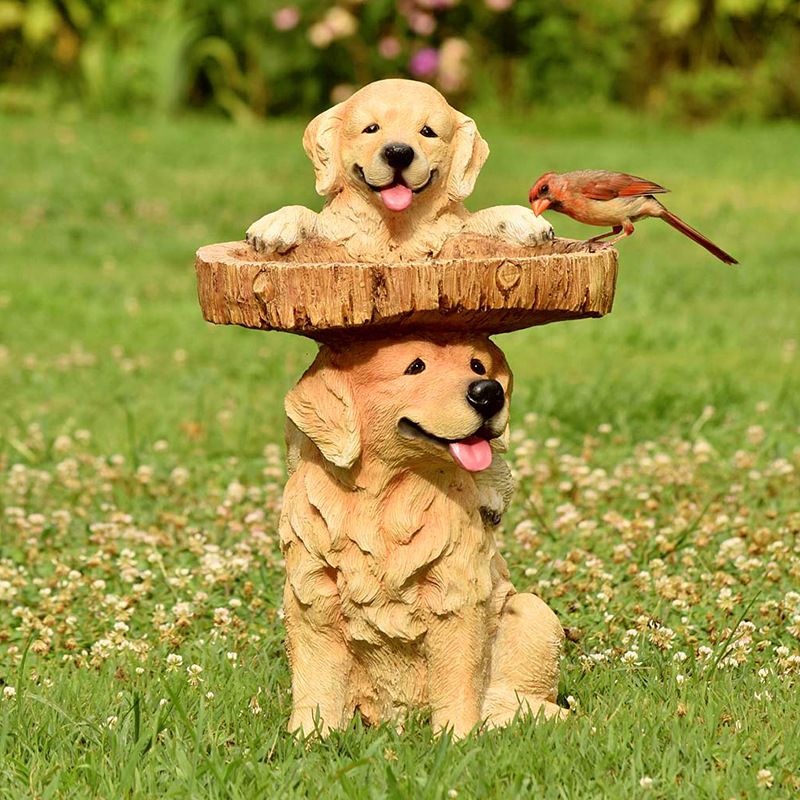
x=396 y=596
x=394 y=163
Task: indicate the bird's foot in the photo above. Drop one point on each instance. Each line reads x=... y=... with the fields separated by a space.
x=593 y=246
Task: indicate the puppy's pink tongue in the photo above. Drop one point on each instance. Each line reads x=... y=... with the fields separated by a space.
x=474 y=453
x=397 y=197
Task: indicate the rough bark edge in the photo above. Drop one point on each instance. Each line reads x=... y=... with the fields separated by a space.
x=488 y=287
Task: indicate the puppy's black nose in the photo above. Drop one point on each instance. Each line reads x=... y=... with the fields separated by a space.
x=486 y=397
x=398 y=155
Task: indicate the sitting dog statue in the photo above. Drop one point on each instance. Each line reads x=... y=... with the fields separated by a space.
x=394 y=163
x=396 y=596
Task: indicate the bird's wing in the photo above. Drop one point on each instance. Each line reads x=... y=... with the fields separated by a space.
x=608 y=185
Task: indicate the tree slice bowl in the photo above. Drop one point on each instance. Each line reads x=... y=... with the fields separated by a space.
x=476 y=284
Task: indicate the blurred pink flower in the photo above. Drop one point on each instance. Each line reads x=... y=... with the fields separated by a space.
x=424 y=63
x=338 y=23
x=454 y=64
x=498 y=5
x=389 y=47
x=422 y=23
x=341 y=22
x=320 y=35
x=286 y=18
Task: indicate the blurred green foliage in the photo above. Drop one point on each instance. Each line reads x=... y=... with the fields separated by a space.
x=693 y=58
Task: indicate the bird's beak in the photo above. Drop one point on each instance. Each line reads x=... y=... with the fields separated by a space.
x=539 y=205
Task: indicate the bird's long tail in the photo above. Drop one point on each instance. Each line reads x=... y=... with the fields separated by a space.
x=696 y=236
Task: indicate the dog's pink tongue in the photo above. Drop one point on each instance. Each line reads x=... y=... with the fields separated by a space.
x=474 y=454
x=397 y=197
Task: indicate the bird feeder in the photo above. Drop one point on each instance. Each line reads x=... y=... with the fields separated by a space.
x=396 y=596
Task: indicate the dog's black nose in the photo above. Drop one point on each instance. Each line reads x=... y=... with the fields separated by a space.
x=486 y=397
x=398 y=155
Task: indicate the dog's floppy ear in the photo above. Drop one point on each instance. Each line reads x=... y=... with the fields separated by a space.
x=469 y=154
x=322 y=407
x=321 y=141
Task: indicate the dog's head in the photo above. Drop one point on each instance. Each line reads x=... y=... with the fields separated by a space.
x=406 y=402
x=396 y=143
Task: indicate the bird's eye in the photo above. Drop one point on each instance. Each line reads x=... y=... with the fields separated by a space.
x=415 y=367
x=544 y=189
x=476 y=365
x=374 y=128
x=429 y=132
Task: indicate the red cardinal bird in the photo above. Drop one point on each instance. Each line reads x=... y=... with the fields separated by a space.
x=598 y=197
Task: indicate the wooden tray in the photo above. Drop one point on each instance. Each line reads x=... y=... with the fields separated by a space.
x=476 y=285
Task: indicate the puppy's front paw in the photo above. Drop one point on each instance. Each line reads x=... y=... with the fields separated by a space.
x=513 y=224
x=282 y=230
x=519 y=225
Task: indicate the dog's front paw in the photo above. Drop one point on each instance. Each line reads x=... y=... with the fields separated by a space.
x=282 y=230
x=513 y=224
x=519 y=225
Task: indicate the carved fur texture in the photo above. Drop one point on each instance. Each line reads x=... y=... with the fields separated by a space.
x=444 y=153
x=396 y=596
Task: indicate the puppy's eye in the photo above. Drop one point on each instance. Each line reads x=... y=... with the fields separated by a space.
x=544 y=189
x=374 y=128
x=429 y=132
x=415 y=367
x=477 y=366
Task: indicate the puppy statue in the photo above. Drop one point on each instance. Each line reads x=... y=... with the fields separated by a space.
x=396 y=597
x=394 y=163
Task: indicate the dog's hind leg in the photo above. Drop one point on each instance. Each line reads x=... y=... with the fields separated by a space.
x=526 y=653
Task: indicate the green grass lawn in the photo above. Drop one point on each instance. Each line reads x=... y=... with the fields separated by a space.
x=658 y=510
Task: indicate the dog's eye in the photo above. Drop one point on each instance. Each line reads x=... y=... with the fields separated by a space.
x=374 y=128
x=415 y=367
x=429 y=132
x=477 y=366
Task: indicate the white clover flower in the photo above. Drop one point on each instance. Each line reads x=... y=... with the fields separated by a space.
x=193 y=672
x=764 y=779
x=630 y=657
x=9 y=693
x=174 y=661
x=662 y=637
x=222 y=616
x=179 y=476
x=572 y=702
x=646 y=782
x=629 y=634
x=680 y=657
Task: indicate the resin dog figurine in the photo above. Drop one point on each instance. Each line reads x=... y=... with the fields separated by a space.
x=395 y=595
x=394 y=163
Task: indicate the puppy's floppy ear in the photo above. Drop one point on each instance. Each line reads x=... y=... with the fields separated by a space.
x=321 y=143
x=469 y=152
x=323 y=408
